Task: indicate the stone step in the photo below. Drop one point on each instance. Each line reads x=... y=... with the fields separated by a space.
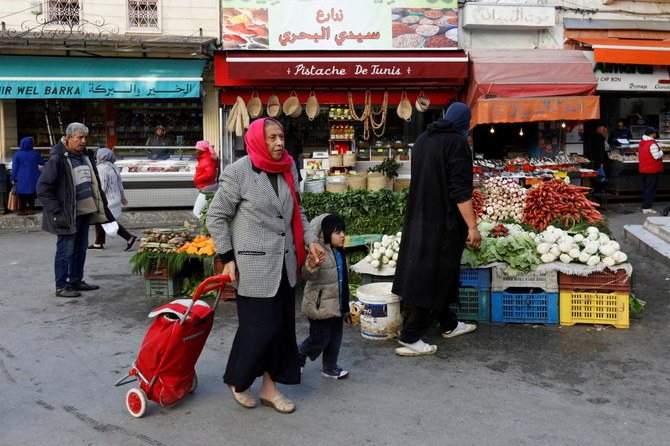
x=647 y=242
x=659 y=226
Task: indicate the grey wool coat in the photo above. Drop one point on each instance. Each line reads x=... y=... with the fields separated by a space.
x=251 y=224
x=321 y=298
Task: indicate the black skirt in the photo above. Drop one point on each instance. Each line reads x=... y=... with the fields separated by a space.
x=265 y=340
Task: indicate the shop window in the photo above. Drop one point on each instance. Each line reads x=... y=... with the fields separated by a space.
x=143 y=15
x=63 y=12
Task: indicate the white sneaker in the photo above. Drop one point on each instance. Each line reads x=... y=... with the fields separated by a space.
x=649 y=211
x=461 y=329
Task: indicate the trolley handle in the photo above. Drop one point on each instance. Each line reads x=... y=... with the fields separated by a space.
x=212 y=283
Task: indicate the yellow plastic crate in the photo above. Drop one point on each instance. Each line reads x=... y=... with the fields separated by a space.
x=592 y=307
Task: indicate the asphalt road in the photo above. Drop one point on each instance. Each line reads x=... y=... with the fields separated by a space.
x=502 y=384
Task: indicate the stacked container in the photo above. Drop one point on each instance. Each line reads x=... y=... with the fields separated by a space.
x=475 y=295
x=530 y=298
x=598 y=298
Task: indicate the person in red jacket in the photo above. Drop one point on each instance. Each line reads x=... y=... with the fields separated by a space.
x=206 y=174
x=650 y=158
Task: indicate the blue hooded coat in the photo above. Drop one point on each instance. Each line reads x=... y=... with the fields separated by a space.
x=25 y=170
x=434 y=232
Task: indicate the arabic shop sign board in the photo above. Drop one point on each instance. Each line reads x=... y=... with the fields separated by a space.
x=81 y=89
x=488 y=16
x=343 y=25
x=630 y=77
x=550 y=108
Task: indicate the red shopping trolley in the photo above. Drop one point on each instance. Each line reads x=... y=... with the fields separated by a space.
x=165 y=364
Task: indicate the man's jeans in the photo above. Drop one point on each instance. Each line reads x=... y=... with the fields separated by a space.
x=71 y=255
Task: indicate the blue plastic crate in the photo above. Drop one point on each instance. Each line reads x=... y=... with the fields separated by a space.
x=479 y=278
x=524 y=308
x=475 y=305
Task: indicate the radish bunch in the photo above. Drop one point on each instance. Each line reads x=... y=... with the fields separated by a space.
x=505 y=199
x=385 y=252
x=557 y=245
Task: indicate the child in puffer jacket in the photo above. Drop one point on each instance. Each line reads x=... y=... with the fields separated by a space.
x=326 y=297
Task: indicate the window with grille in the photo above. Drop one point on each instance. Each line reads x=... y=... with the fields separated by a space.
x=143 y=15
x=63 y=12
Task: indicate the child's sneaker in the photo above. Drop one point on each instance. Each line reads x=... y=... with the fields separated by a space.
x=335 y=373
x=302 y=359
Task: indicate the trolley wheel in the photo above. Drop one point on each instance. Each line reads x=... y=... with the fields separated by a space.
x=136 y=402
x=194 y=384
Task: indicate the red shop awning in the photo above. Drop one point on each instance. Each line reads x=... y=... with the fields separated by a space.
x=521 y=73
x=343 y=68
x=630 y=51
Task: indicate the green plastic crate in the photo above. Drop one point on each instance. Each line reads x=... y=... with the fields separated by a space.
x=475 y=305
x=169 y=287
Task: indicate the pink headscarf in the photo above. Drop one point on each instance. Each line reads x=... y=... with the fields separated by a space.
x=205 y=146
x=260 y=157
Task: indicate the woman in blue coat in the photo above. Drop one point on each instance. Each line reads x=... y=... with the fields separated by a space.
x=25 y=173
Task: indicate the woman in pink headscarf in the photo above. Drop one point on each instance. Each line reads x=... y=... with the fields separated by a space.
x=260 y=232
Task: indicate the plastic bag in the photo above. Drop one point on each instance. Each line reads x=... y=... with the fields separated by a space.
x=199 y=205
x=602 y=177
x=13 y=200
x=111 y=228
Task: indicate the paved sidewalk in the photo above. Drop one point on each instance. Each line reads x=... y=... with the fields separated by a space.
x=502 y=384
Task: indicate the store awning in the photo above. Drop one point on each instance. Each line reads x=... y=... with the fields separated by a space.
x=520 y=73
x=33 y=77
x=550 y=108
x=630 y=51
x=351 y=68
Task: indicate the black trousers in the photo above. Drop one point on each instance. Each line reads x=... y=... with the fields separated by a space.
x=27 y=201
x=649 y=184
x=325 y=336
x=100 y=234
x=420 y=320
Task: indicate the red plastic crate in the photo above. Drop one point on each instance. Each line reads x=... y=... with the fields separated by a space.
x=607 y=280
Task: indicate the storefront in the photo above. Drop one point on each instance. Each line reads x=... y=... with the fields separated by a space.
x=634 y=86
x=121 y=101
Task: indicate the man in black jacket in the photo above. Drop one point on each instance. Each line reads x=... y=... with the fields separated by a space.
x=69 y=190
x=158 y=140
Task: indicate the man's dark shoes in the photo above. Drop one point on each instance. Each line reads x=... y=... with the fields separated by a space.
x=83 y=286
x=131 y=243
x=67 y=292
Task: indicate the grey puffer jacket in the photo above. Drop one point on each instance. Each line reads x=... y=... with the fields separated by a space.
x=321 y=298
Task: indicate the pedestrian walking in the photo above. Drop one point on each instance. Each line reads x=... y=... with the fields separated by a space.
x=650 y=165
x=69 y=189
x=25 y=173
x=439 y=218
x=260 y=230
x=206 y=176
x=326 y=297
x=112 y=186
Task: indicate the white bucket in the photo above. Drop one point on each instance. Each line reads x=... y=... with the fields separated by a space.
x=380 y=318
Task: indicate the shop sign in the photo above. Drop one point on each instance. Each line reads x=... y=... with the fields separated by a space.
x=348 y=68
x=489 y=16
x=343 y=25
x=551 y=108
x=24 y=88
x=630 y=77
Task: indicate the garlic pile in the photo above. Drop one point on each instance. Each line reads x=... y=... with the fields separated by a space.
x=555 y=244
x=505 y=199
x=385 y=252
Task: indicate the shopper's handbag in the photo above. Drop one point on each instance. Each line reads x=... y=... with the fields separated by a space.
x=13 y=200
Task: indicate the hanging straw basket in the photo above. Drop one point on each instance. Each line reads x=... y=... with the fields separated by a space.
x=405 y=108
x=400 y=183
x=349 y=159
x=358 y=181
x=376 y=181
x=312 y=106
x=335 y=160
x=255 y=106
x=422 y=102
x=292 y=106
x=274 y=107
